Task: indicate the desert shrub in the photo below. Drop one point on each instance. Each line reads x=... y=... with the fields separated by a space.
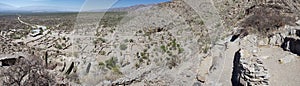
x=101 y=64
x=102 y=40
x=102 y=52
x=264 y=19
x=99 y=40
x=174 y=43
x=145 y=55
x=201 y=22
x=112 y=65
x=58 y=46
x=116 y=69
x=180 y=50
x=137 y=65
x=16 y=36
x=126 y=40
x=205 y=48
x=131 y=40
x=163 y=48
x=173 y=62
x=123 y=47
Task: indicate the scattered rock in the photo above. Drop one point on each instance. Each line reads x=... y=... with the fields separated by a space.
x=8 y=61
x=287 y=59
x=197 y=84
x=251 y=70
x=276 y=40
x=249 y=41
x=201 y=78
x=264 y=57
x=234 y=37
x=70 y=68
x=263 y=42
x=298 y=22
x=88 y=68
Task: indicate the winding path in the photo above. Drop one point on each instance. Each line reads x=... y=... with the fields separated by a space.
x=19 y=18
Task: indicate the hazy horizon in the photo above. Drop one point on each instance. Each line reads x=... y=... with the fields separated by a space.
x=74 y=5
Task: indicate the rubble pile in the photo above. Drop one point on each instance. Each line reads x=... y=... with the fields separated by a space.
x=252 y=71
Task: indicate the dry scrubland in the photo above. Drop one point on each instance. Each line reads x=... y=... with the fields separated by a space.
x=181 y=42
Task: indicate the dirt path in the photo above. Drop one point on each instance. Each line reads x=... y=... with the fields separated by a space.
x=19 y=18
x=226 y=74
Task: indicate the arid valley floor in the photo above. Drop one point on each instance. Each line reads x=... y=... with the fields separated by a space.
x=176 y=43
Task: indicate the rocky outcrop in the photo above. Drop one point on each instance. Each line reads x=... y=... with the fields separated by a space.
x=8 y=61
x=286 y=37
x=276 y=40
x=292 y=45
x=251 y=71
x=291 y=40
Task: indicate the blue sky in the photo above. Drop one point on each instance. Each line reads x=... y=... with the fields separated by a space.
x=78 y=4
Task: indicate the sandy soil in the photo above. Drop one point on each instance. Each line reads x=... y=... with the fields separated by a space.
x=281 y=74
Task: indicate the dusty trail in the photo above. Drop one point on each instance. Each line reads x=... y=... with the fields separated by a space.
x=19 y=18
x=225 y=75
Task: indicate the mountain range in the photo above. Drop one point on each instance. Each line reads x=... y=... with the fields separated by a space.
x=11 y=9
x=121 y=9
x=5 y=8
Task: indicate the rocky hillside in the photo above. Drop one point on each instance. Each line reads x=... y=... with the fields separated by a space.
x=181 y=42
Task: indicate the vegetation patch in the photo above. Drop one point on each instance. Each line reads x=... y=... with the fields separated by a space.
x=173 y=62
x=102 y=52
x=172 y=46
x=123 y=47
x=142 y=57
x=58 y=46
x=163 y=48
x=111 y=19
x=112 y=65
x=99 y=40
x=101 y=64
x=264 y=19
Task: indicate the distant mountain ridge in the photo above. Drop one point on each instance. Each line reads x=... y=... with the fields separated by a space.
x=120 y=9
x=11 y=9
x=6 y=7
x=45 y=9
x=130 y=8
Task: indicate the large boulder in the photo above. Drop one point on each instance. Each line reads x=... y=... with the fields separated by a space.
x=292 y=45
x=276 y=40
x=263 y=42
